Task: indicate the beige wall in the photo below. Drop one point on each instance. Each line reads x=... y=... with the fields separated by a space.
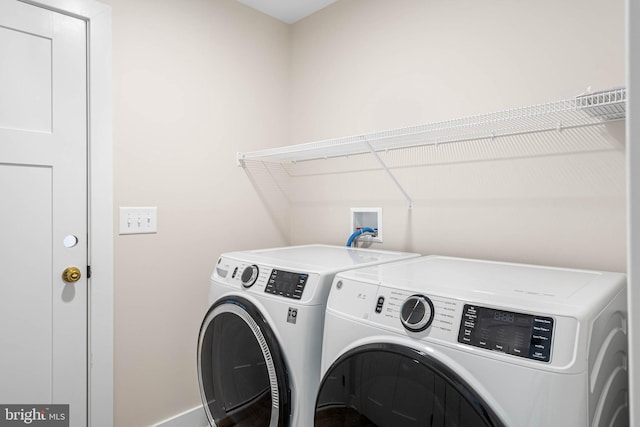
x=195 y=81
x=367 y=65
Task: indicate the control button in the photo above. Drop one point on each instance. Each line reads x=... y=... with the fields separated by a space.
x=379 y=305
x=249 y=276
x=416 y=313
x=500 y=347
x=235 y=271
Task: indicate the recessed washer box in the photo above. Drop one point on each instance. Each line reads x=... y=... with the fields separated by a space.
x=367 y=217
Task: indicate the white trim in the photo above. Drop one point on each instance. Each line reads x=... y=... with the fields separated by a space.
x=100 y=376
x=101 y=225
x=194 y=417
x=633 y=204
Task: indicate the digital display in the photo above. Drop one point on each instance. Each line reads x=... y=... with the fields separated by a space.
x=286 y=284
x=522 y=335
x=503 y=316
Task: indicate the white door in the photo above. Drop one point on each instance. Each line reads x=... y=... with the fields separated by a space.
x=43 y=208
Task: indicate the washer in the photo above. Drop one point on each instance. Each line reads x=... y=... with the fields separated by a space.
x=260 y=343
x=439 y=341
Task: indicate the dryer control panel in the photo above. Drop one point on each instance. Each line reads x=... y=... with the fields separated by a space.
x=519 y=334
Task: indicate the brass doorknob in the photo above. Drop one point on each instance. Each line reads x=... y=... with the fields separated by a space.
x=71 y=274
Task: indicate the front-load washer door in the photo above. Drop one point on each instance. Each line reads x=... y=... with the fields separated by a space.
x=388 y=385
x=243 y=380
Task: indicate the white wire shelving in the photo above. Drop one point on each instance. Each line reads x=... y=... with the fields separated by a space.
x=584 y=110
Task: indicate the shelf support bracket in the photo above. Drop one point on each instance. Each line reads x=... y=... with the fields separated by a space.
x=386 y=169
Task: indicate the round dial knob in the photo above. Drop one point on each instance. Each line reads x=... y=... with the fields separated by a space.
x=249 y=276
x=416 y=313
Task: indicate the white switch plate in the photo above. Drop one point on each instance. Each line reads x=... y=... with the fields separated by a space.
x=138 y=220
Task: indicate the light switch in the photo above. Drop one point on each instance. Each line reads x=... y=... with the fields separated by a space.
x=142 y=220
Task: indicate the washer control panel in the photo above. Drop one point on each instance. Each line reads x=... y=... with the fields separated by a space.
x=519 y=334
x=286 y=283
x=265 y=279
x=541 y=339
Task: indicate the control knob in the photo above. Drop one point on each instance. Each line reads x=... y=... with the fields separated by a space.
x=416 y=313
x=249 y=276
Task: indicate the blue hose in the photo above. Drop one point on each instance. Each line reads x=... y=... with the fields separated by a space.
x=357 y=233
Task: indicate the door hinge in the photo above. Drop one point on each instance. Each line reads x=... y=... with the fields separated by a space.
x=88 y=272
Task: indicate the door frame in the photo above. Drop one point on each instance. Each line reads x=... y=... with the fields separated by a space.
x=100 y=210
x=632 y=11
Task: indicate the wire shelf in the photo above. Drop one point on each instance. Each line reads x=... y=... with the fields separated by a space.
x=585 y=110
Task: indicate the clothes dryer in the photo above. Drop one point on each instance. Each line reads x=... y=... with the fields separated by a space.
x=439 y=341
x=260 y=343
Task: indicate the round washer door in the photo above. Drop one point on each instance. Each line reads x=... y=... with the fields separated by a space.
x=389 y=385
x=243 y=380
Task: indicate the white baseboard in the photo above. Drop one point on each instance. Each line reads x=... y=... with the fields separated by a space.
x=192 y=418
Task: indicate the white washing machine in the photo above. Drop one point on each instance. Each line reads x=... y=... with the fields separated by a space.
x=438 y=341
x=260 y=343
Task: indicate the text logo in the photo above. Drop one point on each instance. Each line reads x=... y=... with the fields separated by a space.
x=34 y=415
